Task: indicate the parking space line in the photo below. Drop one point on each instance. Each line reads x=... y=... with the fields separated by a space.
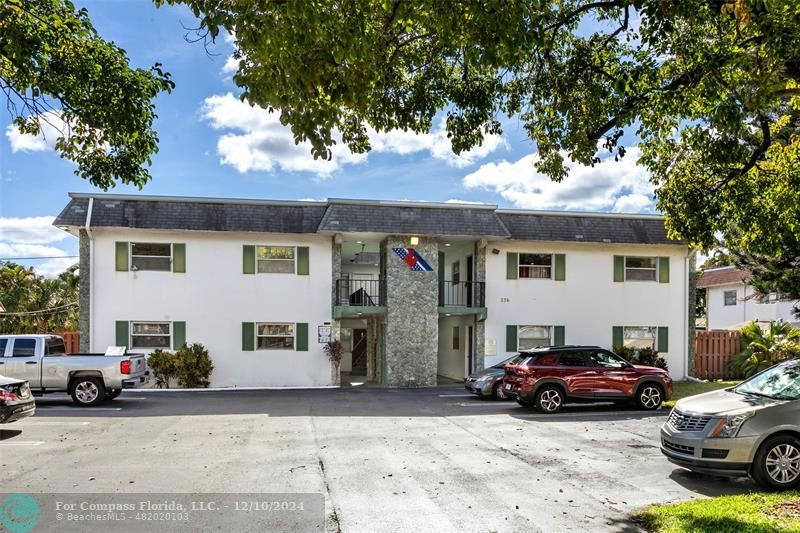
x=56 y=422
x=76 y=409
x=22 y=443
x=456 y=395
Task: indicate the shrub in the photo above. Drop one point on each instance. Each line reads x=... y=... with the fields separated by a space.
x=642 y=356
x=762 y=349
x=333 y=349
x=194 y=366
x=164 y=366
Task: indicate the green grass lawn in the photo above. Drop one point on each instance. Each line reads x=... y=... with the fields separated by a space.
x=752 y=513
x=682 y=389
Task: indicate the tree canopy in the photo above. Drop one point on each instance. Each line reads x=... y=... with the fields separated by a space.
x=710 y=87
x=36 y=304
x=61 y=77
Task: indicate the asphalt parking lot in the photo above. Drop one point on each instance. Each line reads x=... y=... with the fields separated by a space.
x=384 y=459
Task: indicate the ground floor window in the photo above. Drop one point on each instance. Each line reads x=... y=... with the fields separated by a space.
x=639 y=337
x=150 y=335
x=530 y=337
x=274 y=336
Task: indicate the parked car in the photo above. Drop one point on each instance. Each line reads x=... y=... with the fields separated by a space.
x=751 y=429
x=89 y=378
x=16 y=400
x=549 y=377
x=488 y=383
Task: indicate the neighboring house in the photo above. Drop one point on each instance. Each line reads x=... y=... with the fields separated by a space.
x=415 y=291
x=731 y=302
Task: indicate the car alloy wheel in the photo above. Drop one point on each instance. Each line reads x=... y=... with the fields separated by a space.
x=550 y=400
x=86 y=391
x=499 y=393
x=650 y=397
x=783 y=463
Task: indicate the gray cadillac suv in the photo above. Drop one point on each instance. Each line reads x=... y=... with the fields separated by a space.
x=751 y=429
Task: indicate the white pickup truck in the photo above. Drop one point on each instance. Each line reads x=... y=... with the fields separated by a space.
x=42 y=361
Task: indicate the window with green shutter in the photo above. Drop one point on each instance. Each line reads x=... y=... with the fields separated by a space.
x=560 y=273
x=121 y=249
x=619 y=268
x=301 y=337
x=248 y=259
x=512 y=267
x=302 y=261
x=178 y=335
x=662 y=337
x=248 y=336
x=663 y=269
x=511 y=338
x=617 y=340
x=558 y=336
x=179 y=257
x=122 y=333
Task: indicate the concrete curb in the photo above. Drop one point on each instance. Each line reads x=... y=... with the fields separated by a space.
x=229 y=389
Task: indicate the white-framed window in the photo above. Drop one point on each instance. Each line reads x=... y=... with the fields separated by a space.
x=274 y=336
x=729 y=297
x=529 y=337
x=536 y=266
x=151 y=256
x=275 y=259
x=641 y=268
x=638 y=337
x=151 y=335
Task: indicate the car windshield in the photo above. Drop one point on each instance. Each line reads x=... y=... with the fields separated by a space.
x=781 y=382
x=515 y=360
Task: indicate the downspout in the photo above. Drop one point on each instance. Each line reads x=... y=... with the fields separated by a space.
x=87 y=227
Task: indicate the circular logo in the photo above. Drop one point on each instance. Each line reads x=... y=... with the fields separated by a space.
x=19 y=513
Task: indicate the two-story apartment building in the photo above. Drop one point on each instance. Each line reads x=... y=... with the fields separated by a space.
x=416 y=292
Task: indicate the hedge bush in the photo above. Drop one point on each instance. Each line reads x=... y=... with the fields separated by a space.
x=164 y=366
x=194 y=366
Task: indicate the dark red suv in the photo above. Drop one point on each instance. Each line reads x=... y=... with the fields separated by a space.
x=550 y=377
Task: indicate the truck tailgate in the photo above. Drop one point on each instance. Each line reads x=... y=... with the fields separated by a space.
x=138 y=365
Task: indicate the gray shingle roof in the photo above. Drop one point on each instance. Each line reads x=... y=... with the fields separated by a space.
x=185 y=214
x=360 y=216
x=583 y=228
x=412 y=219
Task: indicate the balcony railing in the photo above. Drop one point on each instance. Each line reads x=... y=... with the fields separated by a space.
x=462 y=293
x=360 y=292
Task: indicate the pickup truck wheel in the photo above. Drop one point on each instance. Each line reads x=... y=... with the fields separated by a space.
x=88 y=391
x=112 y=393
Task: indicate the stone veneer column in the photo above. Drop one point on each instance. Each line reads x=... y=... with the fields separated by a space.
x=412 y=315
x=84 y=290
x=336 y=325
x=480 y=325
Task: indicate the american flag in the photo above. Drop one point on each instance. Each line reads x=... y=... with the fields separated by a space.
x=414 y=261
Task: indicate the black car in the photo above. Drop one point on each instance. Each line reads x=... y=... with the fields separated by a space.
x=488 y=383
x=16 y=400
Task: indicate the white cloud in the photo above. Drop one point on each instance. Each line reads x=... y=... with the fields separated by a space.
x=33 y=237
x=255 y=140
x=231 y=65
x=609 y=185
x=52 y=128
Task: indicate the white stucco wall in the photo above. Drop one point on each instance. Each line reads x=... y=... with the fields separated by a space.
x=214 y=297
x=747 y=308
x=588 y=303
x=452 y=362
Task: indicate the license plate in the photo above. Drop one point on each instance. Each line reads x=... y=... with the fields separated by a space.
x=508 y=386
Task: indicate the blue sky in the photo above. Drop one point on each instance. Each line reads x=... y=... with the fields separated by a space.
x=213 y=145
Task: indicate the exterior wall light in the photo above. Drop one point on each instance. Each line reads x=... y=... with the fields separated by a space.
x=414 y=241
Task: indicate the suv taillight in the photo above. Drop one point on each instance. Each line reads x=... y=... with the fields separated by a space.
x=125 y=367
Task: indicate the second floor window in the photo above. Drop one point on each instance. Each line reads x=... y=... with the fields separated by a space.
x=641 y=268
x=151 y=256
x=536 y=266
x=275 y=259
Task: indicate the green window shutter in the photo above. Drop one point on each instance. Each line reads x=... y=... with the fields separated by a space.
x=662 y=339
x=619 y=268
x=122 y=333
x=179 y=257
x=302 y=261
x=616 y=338
x=301 y=337
x=511 y=338
x=178 y=335
x=663 y=269
x=441 y=266
x=248 y=336
x=561 y=267
x=249 y=259
x=512 y=270
x=122 y=257
x=558 y=335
